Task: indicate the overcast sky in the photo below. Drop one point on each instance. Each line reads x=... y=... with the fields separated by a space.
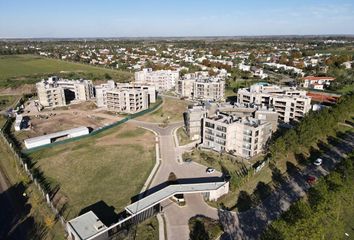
x=123 y=18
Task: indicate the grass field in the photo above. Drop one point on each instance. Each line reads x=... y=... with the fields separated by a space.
x=111 y=166
x=171 y=111
x=39 y=210
x=19 y=69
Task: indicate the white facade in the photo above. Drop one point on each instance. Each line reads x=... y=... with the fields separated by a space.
x=50 y=138
x=125 y=97
x=243 y=137
x=210 y=89
x=317 y=82
x=163 y=80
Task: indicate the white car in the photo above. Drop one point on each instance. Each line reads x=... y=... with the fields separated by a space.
x=210 y=170
x=318 y=162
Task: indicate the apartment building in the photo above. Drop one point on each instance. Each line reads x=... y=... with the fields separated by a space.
x=245 y=137
x=163 y=80
x=125 y=97
x=195 y=115
x=127 y=100
x=290 y=103
x=209 y=88
x=56 y=92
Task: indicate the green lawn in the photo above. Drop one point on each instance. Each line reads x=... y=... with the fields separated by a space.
x=111 y=166
x=39 y=210
x=18 y=69
x=171 y=111
x=182 y=136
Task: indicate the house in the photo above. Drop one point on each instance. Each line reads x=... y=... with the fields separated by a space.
x=318 y=83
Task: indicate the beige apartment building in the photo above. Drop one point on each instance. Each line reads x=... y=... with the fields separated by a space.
x=56 y=92
x=195 y=115
x=245 y=137
x=290 y=103
x=125 y=97
x=127 y=101
x=209 y=89
x=163 y=80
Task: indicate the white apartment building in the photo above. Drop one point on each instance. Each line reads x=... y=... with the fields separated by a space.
x=56 y=92
x=290 y=103
x=245 y=137
x=163 y=80
x=125 y=97
x=194 y=116
x=209 y=89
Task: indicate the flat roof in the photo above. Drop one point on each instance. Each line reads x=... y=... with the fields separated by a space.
x=169 y=191
x=84 y=225
x=55 y=135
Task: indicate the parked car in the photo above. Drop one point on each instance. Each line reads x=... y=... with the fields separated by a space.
x=311 y=179
x=188 y=160
x=318 y=162
x=210 y=170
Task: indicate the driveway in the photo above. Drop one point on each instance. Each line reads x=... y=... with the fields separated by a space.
x=177 y=217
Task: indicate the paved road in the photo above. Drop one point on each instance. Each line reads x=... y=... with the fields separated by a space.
x=250 y=224
x=177 y=217
x=169 y=156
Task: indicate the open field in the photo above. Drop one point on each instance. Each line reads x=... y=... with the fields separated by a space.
x=111 y=166
x=171 y=110
x=16 y=70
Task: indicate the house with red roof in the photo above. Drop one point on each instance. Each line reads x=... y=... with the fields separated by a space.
x=317 y=83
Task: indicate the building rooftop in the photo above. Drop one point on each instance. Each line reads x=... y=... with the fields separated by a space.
x=56 y=135
x=169 y=191
x=87 y=225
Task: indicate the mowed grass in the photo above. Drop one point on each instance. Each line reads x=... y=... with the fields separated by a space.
x=111 y=167
x=28 y=68
x=171 y=110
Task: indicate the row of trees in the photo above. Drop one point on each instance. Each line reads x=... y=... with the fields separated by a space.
x=315 y=126
x=325 y=214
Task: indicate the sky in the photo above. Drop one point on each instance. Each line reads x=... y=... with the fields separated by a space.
x=158 y=18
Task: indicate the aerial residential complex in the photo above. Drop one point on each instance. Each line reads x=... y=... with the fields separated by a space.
x=57 y=92
x=290 y=103
x=201 y=87
x=163 y=80
x=125 y=97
